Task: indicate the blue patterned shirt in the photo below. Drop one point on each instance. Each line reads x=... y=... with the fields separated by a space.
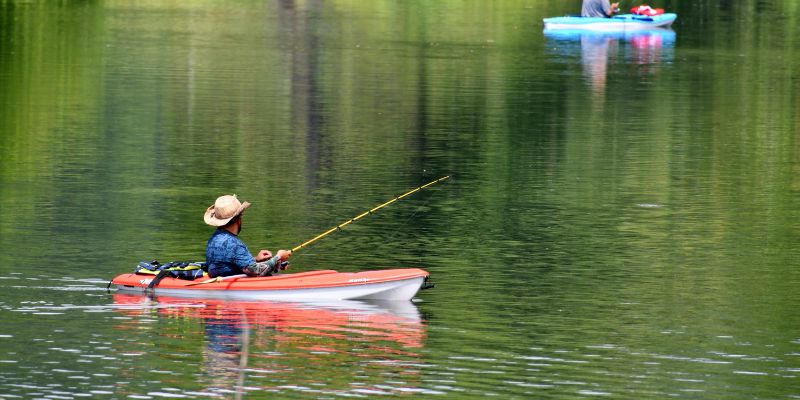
x=596 y=8
x=226 y=254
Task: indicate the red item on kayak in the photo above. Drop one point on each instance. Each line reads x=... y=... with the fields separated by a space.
x=647 y=10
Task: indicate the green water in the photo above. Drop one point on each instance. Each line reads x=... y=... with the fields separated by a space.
x=621 y=221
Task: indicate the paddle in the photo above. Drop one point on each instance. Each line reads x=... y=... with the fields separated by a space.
x=335 y=228
x=217 y=279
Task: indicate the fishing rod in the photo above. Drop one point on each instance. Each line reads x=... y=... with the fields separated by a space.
x=365 y=213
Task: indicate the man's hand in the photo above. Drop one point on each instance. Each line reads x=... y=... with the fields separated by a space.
x=614 y=8
x=263 y=255
x=284 y=254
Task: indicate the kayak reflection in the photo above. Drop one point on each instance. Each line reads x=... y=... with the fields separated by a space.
x=265 y=345
x=645 y=48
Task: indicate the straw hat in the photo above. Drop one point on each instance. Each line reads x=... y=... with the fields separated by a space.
x=224 y=209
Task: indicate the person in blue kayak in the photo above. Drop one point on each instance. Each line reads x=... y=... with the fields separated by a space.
x=226 y=253
x=599 y=8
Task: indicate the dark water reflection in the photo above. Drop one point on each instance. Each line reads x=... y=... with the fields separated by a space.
x=622 y=219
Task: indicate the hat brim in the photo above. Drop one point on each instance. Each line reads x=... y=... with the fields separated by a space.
x=211 y=219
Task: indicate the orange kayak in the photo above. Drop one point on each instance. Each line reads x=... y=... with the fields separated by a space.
x=387 y=284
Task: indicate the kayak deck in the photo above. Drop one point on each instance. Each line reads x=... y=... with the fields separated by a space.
x=388 y=284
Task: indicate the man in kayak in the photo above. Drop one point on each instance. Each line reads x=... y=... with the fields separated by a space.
x=226 y=253
x=599 y=8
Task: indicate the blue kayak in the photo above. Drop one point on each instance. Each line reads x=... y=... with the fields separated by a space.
x=622 y=22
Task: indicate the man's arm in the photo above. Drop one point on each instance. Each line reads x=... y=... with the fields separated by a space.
x=614 y=9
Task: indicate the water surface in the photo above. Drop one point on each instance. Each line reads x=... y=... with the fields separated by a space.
x=622 y=220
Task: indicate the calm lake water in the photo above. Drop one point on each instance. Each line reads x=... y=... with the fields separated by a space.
x=623 y=219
